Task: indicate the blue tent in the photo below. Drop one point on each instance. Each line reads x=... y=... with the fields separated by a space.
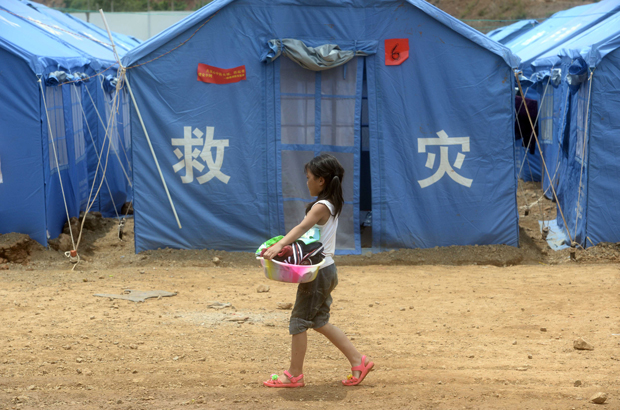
x=123 y=42
x=560 y=27
x=31 y=199
x=37 y=55
x=437 y=129
x=116 y=188
x=84 y=29
x=549 y=79
x=588 y=186
x=505 y=34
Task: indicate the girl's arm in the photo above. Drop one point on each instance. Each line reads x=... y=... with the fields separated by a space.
x=316 y=214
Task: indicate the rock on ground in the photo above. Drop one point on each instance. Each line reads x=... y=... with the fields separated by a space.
x=581 y=344
x=262 y=289
x=599 y=398
x=285 y=305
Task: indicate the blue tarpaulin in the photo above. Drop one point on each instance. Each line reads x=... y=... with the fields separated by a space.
x=560 y=28
x=588 y=190
x=505 y=34
x=116 y=188
x=43 y=134
x=439 y=128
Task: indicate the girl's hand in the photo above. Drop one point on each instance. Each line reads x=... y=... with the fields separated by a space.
x=273 y=251
x=316 y=215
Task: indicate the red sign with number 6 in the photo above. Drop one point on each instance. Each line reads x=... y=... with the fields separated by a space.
x=396 y=51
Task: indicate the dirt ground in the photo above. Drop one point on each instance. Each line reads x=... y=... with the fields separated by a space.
x=478 y=327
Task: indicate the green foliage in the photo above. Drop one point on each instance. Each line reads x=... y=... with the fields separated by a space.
x=470 y=6
x=134 y=5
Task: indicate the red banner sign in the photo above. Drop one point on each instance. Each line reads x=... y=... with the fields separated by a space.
x=396 y=51
x=214 y=75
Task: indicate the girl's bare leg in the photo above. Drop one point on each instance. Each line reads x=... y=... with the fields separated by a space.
x=342 y=342
x=299 y=345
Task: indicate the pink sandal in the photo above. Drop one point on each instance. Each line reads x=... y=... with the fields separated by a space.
x=364 y=368
x=276 y=382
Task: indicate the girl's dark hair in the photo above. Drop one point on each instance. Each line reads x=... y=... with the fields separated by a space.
x=327 y=167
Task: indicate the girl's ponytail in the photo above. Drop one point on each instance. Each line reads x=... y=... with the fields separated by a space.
x=333 y=192
x=327 y=167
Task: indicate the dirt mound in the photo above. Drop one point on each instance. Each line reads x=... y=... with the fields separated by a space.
x=16 y=248
x=93 y=226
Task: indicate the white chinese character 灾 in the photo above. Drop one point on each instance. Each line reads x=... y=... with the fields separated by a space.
x=444 y=164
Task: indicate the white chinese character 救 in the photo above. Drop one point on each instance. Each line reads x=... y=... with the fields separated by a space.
x=444 y=164
x=190 y=154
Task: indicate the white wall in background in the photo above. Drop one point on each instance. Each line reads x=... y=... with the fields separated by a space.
x=139 y=25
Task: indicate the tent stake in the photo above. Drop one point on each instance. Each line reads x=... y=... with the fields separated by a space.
x=545 y=232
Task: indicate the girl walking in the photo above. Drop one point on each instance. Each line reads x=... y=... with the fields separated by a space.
x=311 y=311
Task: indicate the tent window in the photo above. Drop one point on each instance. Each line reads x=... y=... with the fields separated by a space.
x=78 y=123
x=338 y=95
x=297 y=90
x=126 y=121
x=56 y=119
x=294 y=186
x=345 y=237
x=582 y=102
x=112 y=133
x=293 y=176
x=546 y=116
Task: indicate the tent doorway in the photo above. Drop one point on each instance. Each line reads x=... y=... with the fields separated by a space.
x=365 y=207
x=320 y=112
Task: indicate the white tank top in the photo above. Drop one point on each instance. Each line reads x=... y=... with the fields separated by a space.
x=328 y=233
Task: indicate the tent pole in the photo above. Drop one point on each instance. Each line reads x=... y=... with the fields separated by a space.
x=118 y=60
x=126 y=80
x=152 y=151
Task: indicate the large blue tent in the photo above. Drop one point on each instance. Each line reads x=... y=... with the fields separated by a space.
x=44 y=143
x=437 y=128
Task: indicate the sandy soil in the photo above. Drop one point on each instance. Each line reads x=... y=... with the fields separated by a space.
x=486 y=327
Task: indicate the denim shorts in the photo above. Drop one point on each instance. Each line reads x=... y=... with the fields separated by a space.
x=311 y=310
